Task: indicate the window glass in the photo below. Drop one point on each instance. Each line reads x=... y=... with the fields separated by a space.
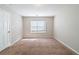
x=38 y=26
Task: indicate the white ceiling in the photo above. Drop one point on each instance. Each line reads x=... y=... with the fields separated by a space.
x=35 y=9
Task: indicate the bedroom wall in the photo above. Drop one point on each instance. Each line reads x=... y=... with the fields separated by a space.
x=66 y=26
x=27 y=28
x=16 y=27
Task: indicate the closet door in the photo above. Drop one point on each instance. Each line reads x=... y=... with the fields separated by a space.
x=1 y=30
x=4 y=29
x=6 y=18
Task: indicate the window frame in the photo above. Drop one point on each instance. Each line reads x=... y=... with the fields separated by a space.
x=38 y=31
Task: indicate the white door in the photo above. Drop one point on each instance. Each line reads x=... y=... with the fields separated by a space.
x=4 y=29
x=7 y=28
x=1 y=31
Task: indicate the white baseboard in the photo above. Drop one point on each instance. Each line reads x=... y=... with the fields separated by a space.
x=68 y=46
x=3 y=48
x=14 y=42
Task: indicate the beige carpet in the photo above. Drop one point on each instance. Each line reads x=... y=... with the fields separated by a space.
x=37 y=47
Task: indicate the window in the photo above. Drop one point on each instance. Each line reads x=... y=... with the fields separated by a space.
x=38 y=26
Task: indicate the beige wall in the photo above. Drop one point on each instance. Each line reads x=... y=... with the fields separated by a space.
x=27 y=31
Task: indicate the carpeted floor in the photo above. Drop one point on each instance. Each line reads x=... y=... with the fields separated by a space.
x=37 y=47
